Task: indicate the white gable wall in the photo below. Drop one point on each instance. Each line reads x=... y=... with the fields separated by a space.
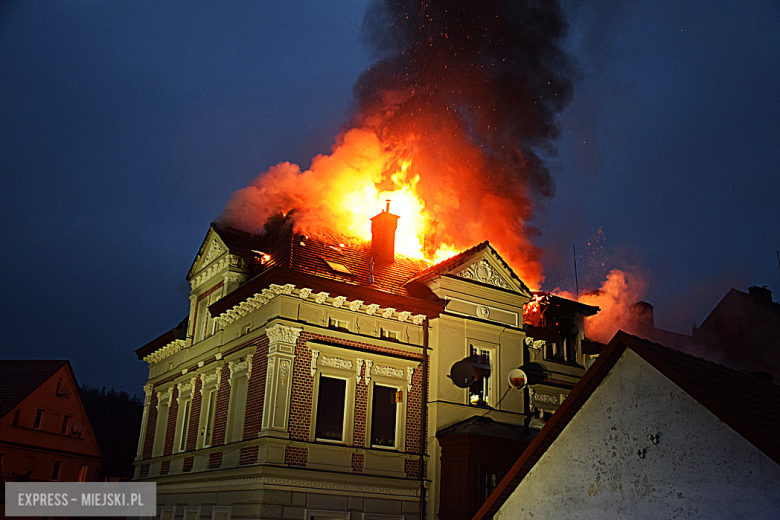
x=700 y=468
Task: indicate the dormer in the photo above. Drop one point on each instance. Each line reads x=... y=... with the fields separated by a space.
x=225 y=260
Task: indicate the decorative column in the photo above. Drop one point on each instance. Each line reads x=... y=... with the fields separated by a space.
x=144 y=420
x=278 y=383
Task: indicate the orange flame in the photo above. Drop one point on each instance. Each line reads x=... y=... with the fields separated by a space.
x=342 y=191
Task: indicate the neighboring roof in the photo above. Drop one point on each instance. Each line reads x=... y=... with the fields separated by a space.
x=486 y=427
x=567 y=306
x=20 y=377
x=451 y=263
x=745 y=403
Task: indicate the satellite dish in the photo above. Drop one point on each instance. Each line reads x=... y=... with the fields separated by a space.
x=462 y=373
x=78 y=427
x=468 y=370
x=517 y=378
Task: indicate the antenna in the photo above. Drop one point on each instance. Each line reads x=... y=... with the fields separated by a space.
x=576 y=281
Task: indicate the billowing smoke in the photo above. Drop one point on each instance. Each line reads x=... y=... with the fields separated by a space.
x=464 y=94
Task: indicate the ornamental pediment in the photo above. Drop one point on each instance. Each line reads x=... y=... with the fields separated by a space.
x=485 y=266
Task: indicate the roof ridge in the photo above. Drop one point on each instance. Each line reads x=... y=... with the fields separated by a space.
x=731 y=369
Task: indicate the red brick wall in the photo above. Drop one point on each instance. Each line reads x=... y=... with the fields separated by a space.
x=151 y=425
x=215 y=460
x=296 y=456
x=412 y=468
x=253 y=417
x=248 y=455
x=361 y=411
x=357 y=462
x=165 y=467
x=302 y=386
x=223 y=401
x=192 y=431
x=188 y=463
x=144 y=472
x=413 y=410
x=173 y=411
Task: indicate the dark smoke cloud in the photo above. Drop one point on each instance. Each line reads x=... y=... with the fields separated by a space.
x=491 y=71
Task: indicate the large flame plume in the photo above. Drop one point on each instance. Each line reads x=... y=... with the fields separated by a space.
x=450 y=125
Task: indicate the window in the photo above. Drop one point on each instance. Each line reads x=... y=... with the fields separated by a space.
x=237 y=409
x=208 y=429
x=38 y=419
x=17 y=417
x=331 y=402
x=479 y=391
x=163 y=406
x=191 y=513
x=83 y=473
x=220 y=513
x=167 y=512
x=391 y=335
x=55 y=473
x=65 y=424
x=384 y=416
x=185 y=425
x=488 y=484
x=333 y=323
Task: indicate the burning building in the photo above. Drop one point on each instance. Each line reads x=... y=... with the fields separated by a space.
x=314 y=373
x=324 y=376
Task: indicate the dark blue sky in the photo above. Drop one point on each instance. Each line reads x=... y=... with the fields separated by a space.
x=125 y=127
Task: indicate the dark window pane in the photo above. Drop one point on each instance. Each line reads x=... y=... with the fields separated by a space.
x=330 y=409
x=38 y=418
x=383 y=416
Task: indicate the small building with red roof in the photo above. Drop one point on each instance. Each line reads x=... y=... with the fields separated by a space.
x=651 y=432
x=45 y=434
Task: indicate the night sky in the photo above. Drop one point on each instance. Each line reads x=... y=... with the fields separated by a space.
x=126 y=126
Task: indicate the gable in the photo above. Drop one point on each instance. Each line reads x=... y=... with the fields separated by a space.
x=480 y=265
x=58 y=396
x=642 y=446
x=211 y=249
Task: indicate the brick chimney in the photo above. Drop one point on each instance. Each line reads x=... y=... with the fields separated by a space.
x=383 y=228
x=642 y=316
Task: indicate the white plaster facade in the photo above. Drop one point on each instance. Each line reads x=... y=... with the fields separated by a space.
x=640 y=447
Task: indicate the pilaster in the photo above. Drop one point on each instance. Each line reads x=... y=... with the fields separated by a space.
x=278 y=383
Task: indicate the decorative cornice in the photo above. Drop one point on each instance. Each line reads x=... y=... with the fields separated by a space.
x=207 y=379
x=237 y=367
x=285 y=483
x=217 y=266
x=185 y=388
x=282 y=334
x=482 y=271
x=165 y=351
x=164 y=397
x=266 y=295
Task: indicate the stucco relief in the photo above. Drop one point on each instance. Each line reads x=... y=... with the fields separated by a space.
x=482 y=271
x=281 y=334
x=336 y=362
x=388 y=371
